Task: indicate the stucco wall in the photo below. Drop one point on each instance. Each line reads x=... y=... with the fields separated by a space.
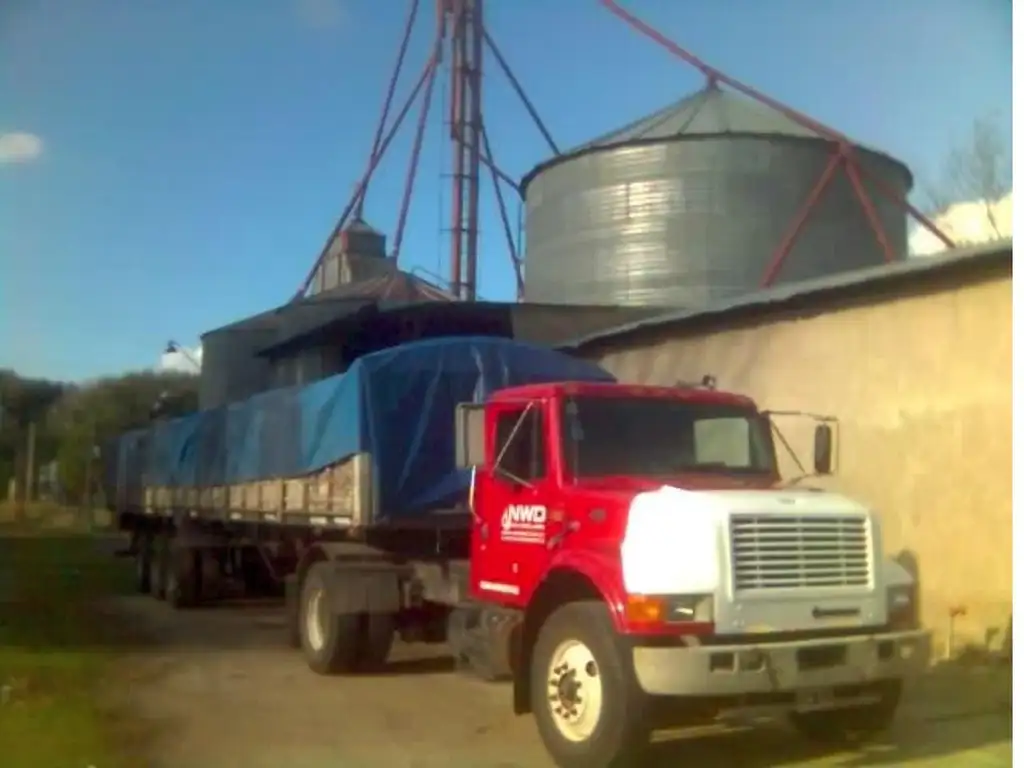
x=921 y=385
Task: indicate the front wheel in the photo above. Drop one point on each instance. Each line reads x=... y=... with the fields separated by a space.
x=851 y=724
x=588 y=710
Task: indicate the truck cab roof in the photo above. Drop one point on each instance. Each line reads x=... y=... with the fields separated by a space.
x=614 y=389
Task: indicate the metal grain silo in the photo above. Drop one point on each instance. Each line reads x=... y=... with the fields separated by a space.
x=688 y=205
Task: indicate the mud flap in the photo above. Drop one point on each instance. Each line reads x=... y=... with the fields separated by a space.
x=365 y=588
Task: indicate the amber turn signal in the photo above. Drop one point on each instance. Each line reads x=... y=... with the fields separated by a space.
x=645 y=609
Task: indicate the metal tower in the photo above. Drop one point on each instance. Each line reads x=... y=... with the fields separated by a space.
x=461 y=34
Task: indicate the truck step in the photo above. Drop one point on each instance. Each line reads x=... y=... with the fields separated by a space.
x=479 y=639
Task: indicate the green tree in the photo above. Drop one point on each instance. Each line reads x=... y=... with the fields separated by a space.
x=88 y=416
x=24 y=401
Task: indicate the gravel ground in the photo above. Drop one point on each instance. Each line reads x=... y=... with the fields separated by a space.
x=219 y=689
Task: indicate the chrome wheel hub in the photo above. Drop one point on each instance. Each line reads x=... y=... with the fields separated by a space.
x=575 y=693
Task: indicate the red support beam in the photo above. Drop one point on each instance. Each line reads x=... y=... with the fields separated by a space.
x=489 y=163
x=853 y=173
x=844 y=144
x=796 y=226
x=403 y=49
x=718 y=76
x=456 y=118
x=473 y=50
x=520 y=92
x=414 y=161
x=466 y=45
x=361 y=186
x=915 y=213
x=506 y=224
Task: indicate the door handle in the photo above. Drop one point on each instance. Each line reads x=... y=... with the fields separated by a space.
x=570 y=527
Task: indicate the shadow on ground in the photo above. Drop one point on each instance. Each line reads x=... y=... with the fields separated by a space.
x=959 y=712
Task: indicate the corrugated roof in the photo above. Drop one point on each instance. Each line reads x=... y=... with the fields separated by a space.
x=395 y=286
x=296 y=317
x=549 y=324
x=710 y=111
x=360 y=225
x=973 y=258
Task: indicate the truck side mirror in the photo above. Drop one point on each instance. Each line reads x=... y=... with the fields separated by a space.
x=469 y=435
x=823 y=449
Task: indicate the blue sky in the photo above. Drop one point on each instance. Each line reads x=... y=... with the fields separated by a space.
x=195 y=154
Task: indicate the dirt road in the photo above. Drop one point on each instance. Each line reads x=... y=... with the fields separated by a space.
x=222 y=690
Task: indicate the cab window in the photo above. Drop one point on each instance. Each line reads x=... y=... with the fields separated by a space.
x=519 y=447
x=723 y=440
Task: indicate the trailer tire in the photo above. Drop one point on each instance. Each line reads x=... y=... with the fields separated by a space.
x=143 y=558
x=377 y=636
x=577 y=662
x=851 y=724
x=183 y=583
x=331 y=642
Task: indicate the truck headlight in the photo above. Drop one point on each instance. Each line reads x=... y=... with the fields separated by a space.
x=690 y=608
x=902 y=607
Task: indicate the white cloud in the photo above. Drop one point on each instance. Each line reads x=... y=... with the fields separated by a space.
x=19 y=147
x=321 y=14
x=184 y=361
x=966 y=223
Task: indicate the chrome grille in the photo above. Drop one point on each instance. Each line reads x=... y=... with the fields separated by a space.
x=794 y=551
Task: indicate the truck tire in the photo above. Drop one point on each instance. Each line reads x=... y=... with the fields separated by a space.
x=143 y=558
x=377 y=637
x=588 y=709
x=330 y=642
x=851 y=724
x=182 y=585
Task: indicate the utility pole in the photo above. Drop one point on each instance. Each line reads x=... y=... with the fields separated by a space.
x=30 y=471
x=30 y=463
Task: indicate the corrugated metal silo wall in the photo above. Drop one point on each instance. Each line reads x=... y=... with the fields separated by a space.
x=690 y=221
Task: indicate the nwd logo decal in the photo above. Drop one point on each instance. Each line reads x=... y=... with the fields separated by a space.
x=524 y=516
x=524 y=523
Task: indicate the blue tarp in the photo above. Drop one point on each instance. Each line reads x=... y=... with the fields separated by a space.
x=398 y=405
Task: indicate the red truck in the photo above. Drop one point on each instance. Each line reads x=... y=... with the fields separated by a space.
x=627 y=556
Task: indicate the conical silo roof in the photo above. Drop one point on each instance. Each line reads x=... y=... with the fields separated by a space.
x=708 y=112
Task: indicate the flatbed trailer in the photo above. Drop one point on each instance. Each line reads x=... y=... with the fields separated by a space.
x=397 y=530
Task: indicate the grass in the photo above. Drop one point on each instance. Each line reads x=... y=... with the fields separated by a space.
x=56 y=648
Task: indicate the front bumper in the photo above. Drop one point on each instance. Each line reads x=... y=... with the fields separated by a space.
x=779 y=667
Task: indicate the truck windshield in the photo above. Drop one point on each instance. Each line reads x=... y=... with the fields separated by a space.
x=650 y=436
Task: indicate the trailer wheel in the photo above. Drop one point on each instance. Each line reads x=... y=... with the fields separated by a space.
x=183 y=578
x=330 y=641
x=585 y=704
x=143 y=560
x=851 y=724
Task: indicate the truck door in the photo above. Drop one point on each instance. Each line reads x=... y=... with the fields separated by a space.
x=511 y=525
